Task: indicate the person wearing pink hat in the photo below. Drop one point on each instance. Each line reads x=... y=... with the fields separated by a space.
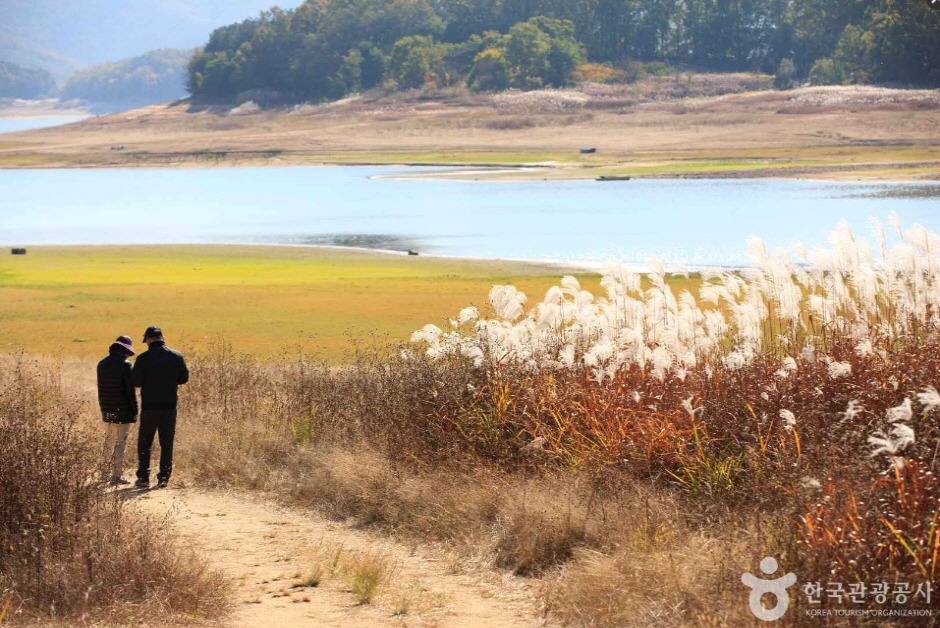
x=118 y=403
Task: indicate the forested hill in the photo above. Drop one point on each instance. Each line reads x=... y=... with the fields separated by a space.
x=156 y=76
x=327 y=48
x=19 y=82
x=27 y=54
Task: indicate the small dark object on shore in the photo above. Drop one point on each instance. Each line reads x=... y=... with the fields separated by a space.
x=588 y=151
x=612 y=177
x=412 y=252
x=121 y=147
x=17 y=251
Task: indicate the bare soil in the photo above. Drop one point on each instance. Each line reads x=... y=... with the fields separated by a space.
x=268 y=551
x=834 y=133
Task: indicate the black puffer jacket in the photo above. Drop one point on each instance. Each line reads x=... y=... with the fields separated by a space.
x=157 y=372
x=116 y=394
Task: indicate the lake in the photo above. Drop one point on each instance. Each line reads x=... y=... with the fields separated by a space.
x=9 y=125
x=695 y=222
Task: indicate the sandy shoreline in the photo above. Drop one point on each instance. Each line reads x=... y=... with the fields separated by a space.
x=874 y=172
x=14 y=115
x=49 y=108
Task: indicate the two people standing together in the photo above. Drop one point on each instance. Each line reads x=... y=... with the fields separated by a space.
x=158 y=372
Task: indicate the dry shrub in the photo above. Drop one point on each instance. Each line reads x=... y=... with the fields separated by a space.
x=602 y=73
x=66 y=548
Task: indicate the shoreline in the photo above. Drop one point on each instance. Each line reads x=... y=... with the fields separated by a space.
x=526 y=172
x=520 y=173
x=37 y=115
x=18 y=108
x=577 y=266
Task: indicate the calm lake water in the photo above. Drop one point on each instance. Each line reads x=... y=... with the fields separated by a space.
x=696 y=222
x=9 y=125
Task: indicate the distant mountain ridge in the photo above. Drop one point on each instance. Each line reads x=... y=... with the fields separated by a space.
x=86 y=32
x=18 y=51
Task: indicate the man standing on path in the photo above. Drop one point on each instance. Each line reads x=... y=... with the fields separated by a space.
x=118 y=403
x=158 y=372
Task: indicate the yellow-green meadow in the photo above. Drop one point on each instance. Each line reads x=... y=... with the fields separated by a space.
x=262 y=299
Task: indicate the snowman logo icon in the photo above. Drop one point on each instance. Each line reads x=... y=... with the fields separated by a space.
x=777 y=587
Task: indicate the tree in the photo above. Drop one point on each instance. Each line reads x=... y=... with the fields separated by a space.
x=490 y=71
x=785 y=77
x=372 y=67
x=825 y=72
x=853 y=55
x=352 y=71
x=564 y=57
x=410 y=62
x=527 y=51
x=465 y=18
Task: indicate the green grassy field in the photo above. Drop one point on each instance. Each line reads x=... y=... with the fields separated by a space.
x=262 y=300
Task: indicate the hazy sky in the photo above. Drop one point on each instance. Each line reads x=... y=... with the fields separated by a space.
x=96 y=31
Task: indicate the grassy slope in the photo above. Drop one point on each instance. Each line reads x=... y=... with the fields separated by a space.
x=75 y=300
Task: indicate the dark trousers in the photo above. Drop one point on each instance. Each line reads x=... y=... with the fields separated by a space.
x=153 y=421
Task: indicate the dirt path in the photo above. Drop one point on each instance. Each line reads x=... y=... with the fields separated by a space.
x=269 y=551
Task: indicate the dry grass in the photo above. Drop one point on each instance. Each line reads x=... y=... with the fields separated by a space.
x=614 y=544
x=559 y=477
x=316 y=436
x=67 y=549
x=367 y=573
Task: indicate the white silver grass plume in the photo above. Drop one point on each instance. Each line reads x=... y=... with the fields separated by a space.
x=844 y=290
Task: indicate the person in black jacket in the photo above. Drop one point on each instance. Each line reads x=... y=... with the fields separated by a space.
x=158 y=372
x=118 y=403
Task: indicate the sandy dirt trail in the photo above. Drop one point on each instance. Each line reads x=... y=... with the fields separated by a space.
x=268 y=551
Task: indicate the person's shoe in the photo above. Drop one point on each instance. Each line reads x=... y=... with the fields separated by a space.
x=141 y=484
x=119 y=482
x=162 y=483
